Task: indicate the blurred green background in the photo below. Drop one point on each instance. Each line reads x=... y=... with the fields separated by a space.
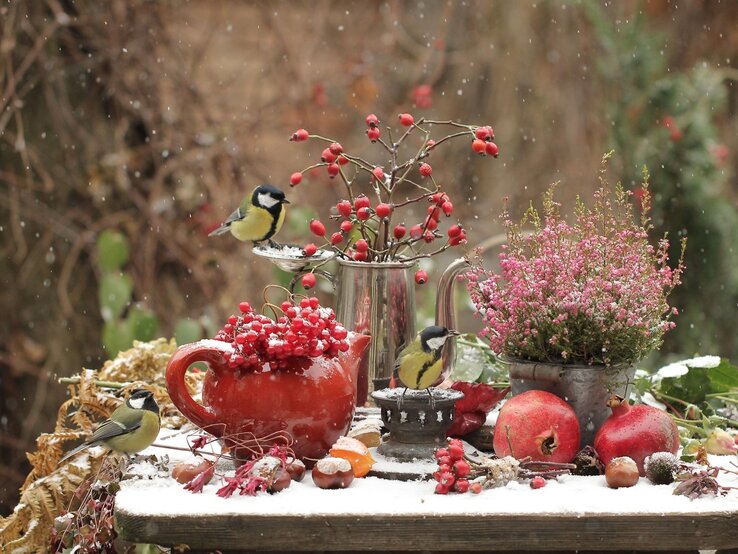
x=128 y=128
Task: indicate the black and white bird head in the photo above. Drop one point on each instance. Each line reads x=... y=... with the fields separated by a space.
x=142 y=399
x=268 y=197
x=434 y=338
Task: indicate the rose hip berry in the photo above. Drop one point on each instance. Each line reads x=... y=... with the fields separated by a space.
x=336 y=148
x=406 y=119
x=333 y=170
x=378 y=173
x=421 y=276
x=308 y=280
x=342 y=160
x=327 y=156
x=336 y=238
x=454 y=230
x=317 y=228
x=537 y=482
x=300 y=135
x=372 y=120
x=399 y=231
x=346 y=226
x=362 y=201
x=479 y=146
x=383 y=210
x=344 y=208
x=492 y=149
x=416 y=231
x=361 y=245
x=310 y=249
x=295 y=178
x=425 y=169
x=447 y=208
x=373 y=134
x=363 y=214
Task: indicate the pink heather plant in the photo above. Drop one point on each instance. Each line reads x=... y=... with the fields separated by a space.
x=592 y=292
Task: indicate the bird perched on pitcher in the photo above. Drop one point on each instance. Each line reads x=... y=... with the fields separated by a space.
x=258 y=218
x=132 y=427
x=420 y=363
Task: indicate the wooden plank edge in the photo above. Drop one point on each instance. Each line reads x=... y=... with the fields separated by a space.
x=448 y=532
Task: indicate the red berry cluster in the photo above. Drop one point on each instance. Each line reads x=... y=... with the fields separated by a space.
x=305 y=330
x=453 y=470
x=482 y=143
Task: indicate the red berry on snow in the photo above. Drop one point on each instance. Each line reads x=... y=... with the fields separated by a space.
x=416 y=231
x=456 y=450
x=406 y=119
x=295 y=178
x=399 y=231
x=317 y=228
x=447 y=208
x=476 y=488
x=373 y=134
x=333 y=170
x=361 y=245
x=310 y=249
x=425 y=169
x=300 y=135
x=537 y=482
x=372 y=120
x=479 y=146
x=346 y=226
x=492 y=149
x=336 y=238
x=421 y=276
x=440 y=453
x=336 y=148
x=378 y=173
x=461 y=485
x=383 y=210
x=327 y=156
x=363 y=214
x=342 y=160
x=442 y=489
x=308 y=280
x=244 y=307
x=462 y=468
x=344 y=208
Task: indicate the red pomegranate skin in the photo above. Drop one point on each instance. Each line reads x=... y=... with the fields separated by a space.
x=537 y=424
x=635 y=431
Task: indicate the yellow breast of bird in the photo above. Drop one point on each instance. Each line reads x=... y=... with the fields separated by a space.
x=140 y=438
x=257 y=225
x=420 y=372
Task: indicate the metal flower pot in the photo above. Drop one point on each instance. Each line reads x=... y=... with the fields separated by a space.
x=585 y=388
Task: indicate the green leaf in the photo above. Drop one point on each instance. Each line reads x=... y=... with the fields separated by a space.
x=724 y=377
x=144 y=323
x=114 y=294
x=469 y=364
x=116 y=336
x=187 y=330
x=112 y=250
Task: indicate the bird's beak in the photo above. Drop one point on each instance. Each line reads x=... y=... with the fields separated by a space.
x=285 y=201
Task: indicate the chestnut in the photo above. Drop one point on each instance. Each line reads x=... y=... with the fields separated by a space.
x=296 y=469
x=270 y=469
x=332 y=473
x=621 y=472
x=184 y=472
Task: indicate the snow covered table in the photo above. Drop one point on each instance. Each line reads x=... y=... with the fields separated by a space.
x=573 y=513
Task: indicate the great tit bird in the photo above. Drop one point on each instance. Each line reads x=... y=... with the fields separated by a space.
x=131 y=428
x=258 y=218
x=420 y=363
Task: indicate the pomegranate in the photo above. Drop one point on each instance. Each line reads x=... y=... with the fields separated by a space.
x=635 y=431
x=537 y=424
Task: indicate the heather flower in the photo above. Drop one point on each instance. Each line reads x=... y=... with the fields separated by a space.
x=590 y=292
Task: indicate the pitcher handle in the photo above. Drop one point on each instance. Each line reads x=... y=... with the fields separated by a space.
x=215 y=357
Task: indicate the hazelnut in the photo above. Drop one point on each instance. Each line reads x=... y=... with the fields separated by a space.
x=332 y=473
x=621 y=472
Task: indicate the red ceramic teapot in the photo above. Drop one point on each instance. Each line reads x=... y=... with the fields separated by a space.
x=314 y=407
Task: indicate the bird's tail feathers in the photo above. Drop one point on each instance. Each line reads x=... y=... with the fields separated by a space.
x=222 y=230
x=74 y=451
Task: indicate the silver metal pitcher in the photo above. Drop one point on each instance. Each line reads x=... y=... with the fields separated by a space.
x=378 y=299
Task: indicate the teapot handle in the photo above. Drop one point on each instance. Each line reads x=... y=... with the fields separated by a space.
x=183 y=358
